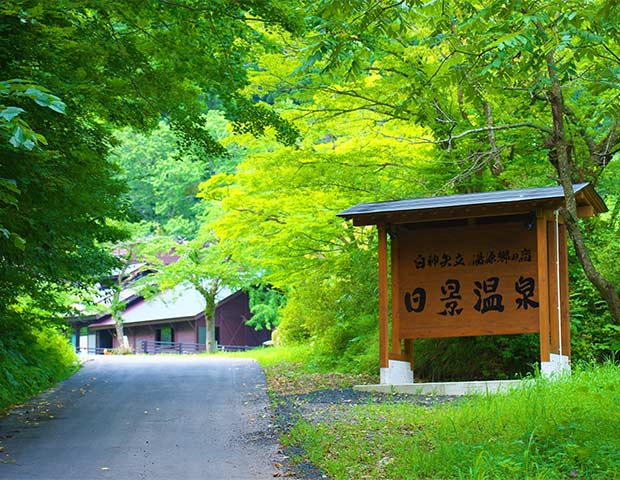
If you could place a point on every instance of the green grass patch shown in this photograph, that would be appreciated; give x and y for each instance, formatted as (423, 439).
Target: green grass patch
(568, 428)
(298, 356)
(32, 361)
(293, 369)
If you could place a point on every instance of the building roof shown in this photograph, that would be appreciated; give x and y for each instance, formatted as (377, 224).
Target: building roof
(469, 205)
(180, 302)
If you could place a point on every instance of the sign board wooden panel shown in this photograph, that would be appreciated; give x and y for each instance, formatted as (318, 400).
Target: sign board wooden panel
(466, 280)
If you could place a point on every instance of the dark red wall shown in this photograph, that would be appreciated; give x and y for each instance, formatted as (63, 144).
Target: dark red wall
(230, 317)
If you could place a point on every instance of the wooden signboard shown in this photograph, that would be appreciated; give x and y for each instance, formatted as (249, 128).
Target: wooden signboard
(466, 280)
(489, 263)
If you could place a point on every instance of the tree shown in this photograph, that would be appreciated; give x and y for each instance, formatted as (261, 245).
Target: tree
(54, 217)
(132, 64)
(265, 304)
(202, 264)
(501, 87)
(277, 215)
(137, 259)
(163, 179)
(15, 131)
(120, 280)
(111, 64)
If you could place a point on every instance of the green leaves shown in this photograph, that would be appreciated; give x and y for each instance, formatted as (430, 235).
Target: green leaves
(9, 113)
(45, 99)
(17, 88)
(21, 135)
(19, 139)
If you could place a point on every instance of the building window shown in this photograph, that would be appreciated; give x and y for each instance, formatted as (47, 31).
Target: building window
(164, 334)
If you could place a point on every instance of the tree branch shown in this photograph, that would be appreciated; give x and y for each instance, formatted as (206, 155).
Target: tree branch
(494, 159)
(508, 126)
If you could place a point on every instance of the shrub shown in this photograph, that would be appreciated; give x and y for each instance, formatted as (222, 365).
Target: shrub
(32, 360)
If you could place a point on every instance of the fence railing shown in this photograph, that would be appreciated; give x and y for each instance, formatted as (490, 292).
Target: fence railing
(92, 350)
(153, 347)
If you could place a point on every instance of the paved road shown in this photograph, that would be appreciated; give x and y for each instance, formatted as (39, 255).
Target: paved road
(140, 417)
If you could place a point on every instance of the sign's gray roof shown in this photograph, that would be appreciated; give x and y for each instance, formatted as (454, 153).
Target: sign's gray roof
(460, 200)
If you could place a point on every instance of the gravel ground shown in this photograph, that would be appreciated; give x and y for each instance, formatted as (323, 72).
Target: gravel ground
(325, 406)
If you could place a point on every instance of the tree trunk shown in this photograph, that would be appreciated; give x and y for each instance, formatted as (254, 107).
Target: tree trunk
(211, 346)
(123, 346)
(209, 296)
(569, 213)
(117, 308)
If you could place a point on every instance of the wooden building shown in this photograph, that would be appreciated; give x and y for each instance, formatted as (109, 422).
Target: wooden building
(473, 264)
(172, 320)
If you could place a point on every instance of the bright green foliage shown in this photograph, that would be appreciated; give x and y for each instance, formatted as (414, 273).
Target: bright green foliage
(278, 221)
(594, 334)
(163, 180)
(265, 304)
(511, 91)
(31, 360)
(566, 428)
(478, 77)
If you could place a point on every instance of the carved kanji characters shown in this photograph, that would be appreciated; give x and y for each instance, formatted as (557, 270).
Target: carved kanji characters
(488, 298)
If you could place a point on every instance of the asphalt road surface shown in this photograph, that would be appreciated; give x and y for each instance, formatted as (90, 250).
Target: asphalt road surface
(146, 417)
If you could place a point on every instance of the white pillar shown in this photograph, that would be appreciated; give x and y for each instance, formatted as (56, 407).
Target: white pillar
(398, 372)
(558, 365)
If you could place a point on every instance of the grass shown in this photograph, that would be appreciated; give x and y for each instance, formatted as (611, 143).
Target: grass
(293, 370)
(297, 355)
(568, 428)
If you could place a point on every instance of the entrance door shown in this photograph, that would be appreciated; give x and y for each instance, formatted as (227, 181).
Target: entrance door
(202, 335)
(104, 339)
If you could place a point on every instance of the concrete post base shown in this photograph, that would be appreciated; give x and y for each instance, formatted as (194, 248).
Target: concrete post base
(558, 365)
(397, 373)
(445, 388)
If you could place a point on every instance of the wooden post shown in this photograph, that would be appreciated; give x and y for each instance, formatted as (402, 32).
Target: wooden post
(543, 285)
(383, 297)
(552, 258)
(564, 293)
(396, 344)
(409, 350)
